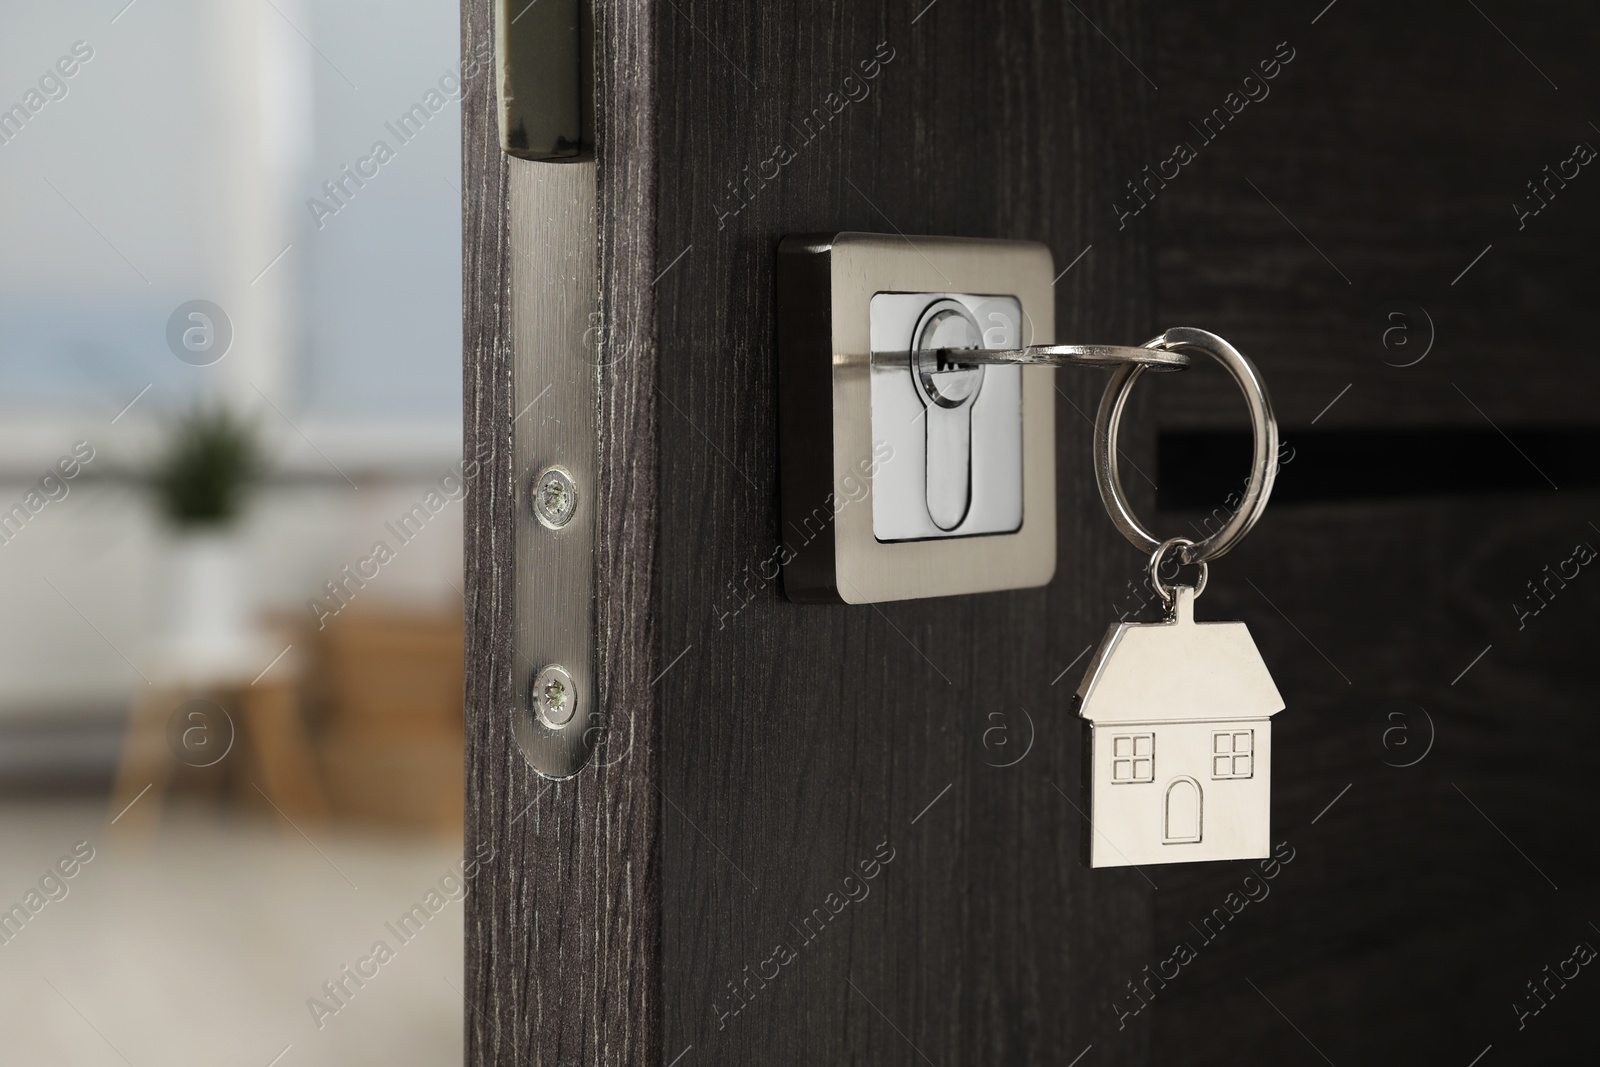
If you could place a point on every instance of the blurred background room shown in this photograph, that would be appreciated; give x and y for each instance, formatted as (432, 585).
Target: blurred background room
(231, 490)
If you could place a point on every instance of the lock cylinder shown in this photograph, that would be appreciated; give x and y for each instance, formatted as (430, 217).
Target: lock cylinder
(948, 391)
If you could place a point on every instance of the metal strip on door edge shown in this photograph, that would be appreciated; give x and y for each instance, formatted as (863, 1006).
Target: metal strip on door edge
(554, 389)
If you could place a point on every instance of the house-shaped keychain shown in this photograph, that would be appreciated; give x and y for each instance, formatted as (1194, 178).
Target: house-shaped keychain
(1178, 752)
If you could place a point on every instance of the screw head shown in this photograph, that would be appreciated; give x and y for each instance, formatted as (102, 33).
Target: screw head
(554, 696)
(555, 496)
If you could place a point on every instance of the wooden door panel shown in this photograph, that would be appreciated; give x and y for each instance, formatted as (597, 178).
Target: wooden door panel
(563, 922)
(1416, 509)
(1386, 157)
(765, 755)
(799, 740)
(1436, 873)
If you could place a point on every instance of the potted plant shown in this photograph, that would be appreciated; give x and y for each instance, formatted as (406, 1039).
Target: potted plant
(201, 479)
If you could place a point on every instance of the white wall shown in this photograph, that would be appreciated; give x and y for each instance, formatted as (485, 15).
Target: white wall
(103, 550)
(177, 165)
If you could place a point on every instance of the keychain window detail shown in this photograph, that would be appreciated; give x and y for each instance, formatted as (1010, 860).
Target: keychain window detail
(1233, 755)
(1133, 758)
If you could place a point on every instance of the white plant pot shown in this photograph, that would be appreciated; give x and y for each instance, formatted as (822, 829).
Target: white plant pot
(205, 608)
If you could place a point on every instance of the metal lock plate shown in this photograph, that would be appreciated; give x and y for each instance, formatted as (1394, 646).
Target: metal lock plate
(903, 478)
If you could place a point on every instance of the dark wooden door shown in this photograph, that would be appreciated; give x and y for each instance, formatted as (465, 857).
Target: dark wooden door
(777, 751)
(768, 755)
(1389, 585)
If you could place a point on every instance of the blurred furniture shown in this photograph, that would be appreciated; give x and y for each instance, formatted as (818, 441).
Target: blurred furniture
(243, 718)
(390, 735)
(360, 720)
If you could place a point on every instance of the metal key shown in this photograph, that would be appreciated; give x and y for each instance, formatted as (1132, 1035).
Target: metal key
(947, 361)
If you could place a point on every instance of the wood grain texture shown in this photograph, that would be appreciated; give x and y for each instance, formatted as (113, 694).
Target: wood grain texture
(493, 923)
(1387, 157)
(563, 924)
(621, 890)
(1424, 899)
(799, 740)
(1420, 903)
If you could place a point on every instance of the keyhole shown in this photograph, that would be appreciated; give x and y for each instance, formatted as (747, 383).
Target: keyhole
(949, 391)
(945, 384)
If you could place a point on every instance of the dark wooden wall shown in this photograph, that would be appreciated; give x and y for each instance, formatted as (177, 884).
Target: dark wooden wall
(796, 739)
(1421, 903)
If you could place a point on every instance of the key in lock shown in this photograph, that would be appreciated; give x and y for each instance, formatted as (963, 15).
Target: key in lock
(954, 431)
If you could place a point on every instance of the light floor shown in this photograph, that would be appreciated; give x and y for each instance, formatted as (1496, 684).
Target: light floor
(202, 944)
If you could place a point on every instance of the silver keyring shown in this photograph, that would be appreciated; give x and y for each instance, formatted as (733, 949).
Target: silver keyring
(1263, 466)
(1155, 568)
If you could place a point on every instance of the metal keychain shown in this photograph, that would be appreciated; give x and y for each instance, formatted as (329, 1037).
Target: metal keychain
(1178, 714)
